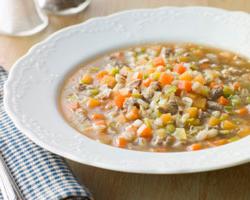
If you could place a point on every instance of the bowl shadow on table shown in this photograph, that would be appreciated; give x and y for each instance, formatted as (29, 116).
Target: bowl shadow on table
(231, 183)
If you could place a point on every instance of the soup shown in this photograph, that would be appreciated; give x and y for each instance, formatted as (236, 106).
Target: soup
(161, 98)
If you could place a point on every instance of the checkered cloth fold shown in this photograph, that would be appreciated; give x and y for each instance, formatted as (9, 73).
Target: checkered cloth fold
(38, 173)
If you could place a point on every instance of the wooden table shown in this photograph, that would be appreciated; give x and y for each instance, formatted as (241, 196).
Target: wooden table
(228, 184)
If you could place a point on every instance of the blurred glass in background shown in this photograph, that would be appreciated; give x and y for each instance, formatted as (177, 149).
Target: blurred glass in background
(21, 17)
(63, 7)
(27, 17)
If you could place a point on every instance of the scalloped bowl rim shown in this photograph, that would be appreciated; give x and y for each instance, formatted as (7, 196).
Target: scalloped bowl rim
(119, 167)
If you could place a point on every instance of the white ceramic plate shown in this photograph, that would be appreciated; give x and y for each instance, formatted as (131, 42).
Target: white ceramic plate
(31, 91)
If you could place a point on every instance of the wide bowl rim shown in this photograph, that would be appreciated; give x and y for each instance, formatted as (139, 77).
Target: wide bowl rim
(28, 133)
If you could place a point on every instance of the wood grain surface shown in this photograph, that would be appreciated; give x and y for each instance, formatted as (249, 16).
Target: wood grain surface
(229, 184)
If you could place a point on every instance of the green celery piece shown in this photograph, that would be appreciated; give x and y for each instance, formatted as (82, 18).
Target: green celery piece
(227, 91)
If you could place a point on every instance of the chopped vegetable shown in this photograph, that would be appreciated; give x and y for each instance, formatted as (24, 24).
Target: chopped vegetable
(86, 79)
(144, 131)
(244, 132)
(114, 71)
(213, 121)
(97, 116)
(223, 101)
(122, 142)
(236, 86)
(155, 76)
(193, 112)
(228, 125)
(185, 85)
(170, 128)
(101, 74)
(133, 114)
(180, 134)
(194, 147)
(186, 76)
(248, 100)
(166, 118)
(227, 91)
(147, 82)
(137, 75)
(200, 79)
(109, 81)
(161, 98)
(220, 142)
(165, 79)
(158, 61)
(92, 103)
(200, 102)
(242, 111)
(147, 122)
(119, 99)
(180, 69)
(161, 133)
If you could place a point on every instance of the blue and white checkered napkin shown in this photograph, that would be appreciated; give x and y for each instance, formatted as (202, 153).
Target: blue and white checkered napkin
(38, 173)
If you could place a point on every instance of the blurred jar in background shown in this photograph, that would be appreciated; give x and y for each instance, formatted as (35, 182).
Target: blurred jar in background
(63, 7)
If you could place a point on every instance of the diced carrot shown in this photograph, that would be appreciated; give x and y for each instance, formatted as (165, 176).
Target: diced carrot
(109, 81)
(92, 103)
(147, 82)
(165, 79)
(101, 74)
(121, 142)
(133, 114)
(228, 125)
(86, 79)
(97, 116)
(193, 112)
(119, 99)
(194, 147)
(144, 131)
(166, 118)
(200, 79)
(185, 85)
(137, 75)
(242, 111)
(179, 68)
(236, 85)
(186, 76)
(244, 132)
(220, 142)
(158, 61)
(74, 105)
(223, 101)
(100, 122)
